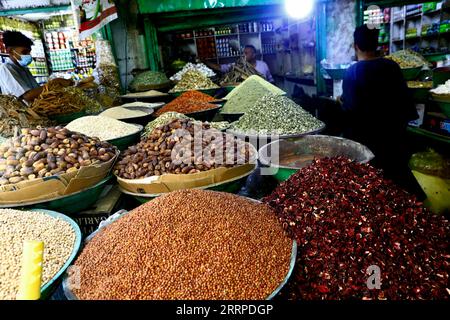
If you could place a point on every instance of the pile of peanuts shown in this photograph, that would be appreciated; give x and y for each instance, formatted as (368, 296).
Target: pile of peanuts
(16, 227)
(189, 244)
(46, 152)
(182, 147)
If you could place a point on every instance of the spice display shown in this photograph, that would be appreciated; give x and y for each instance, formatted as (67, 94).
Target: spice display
(16, 227)
(123, 113)
(273, 114)
(15, 115)
(47, 152)
(408, 59)
(246, 94)
(420, 84)
(239, 72)
(148, 80)
(200, 67)
(173, 148)
(106, 73)
(190, 244)
(162, 120)
(432, 163)
(104, 128)
(193, 80)
(63, 100)
(169, 116)
(188, 102)
(145, 94)
(348, 219)
(442, 89)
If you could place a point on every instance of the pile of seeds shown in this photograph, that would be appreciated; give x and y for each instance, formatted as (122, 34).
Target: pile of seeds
(123, 113)
(168, 117)
(18, 226)
(162, 120)
(200, 67)
(14, 116)
(247, 94)
(148, 80)
(347, 218)
(104, 128)
(274, 114)
(47, 152)
(189, 102)
(182, 147)
(190, 244)
(194, 80)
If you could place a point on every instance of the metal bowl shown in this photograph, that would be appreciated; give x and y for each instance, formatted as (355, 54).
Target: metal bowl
(285, 157)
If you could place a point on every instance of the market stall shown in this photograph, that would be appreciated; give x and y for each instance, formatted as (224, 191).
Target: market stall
(197, 184)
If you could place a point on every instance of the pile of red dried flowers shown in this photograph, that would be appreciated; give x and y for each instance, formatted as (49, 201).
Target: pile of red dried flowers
(347, 218)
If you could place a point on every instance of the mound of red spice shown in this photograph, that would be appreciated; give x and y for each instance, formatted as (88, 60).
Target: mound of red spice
(188, 102)
(346, 218)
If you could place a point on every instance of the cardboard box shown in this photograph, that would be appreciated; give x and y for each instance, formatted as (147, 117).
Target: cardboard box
(170, 182)
(44, 189)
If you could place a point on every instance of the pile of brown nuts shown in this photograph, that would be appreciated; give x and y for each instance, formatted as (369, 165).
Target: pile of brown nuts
(182, 147)
(360, 236)
(190, 244)
(45, 152)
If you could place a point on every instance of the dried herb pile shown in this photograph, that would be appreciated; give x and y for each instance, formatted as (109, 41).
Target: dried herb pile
(188, 102)
(194, 80)
(248, 93)
(15, 115)
(148, 80)
(274, 114)
(346, 218)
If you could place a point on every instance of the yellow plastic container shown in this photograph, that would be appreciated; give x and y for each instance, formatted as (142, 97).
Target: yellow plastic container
(30, 281)
(437, 190)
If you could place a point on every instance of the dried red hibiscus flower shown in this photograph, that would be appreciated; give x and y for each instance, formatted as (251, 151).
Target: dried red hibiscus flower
(346, 218)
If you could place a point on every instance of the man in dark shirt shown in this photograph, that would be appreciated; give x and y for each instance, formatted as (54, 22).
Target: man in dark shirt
(377, 105)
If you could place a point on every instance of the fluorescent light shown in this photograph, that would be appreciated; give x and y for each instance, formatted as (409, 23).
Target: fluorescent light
(299, 9)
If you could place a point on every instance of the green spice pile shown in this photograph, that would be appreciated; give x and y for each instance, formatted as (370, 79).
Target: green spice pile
(247, 94)
(194, 80)
(274, 114)
(148, 80)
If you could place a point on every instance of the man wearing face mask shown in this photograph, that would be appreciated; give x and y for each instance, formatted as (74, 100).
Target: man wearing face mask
(15, 78)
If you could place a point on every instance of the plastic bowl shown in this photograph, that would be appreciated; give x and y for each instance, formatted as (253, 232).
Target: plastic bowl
(67, 118)
(443, 101)
(204, 115)
(210, 92)
(72, 203)
(71, 296)
(260, 140)
(411, 73)
(142, 120)
(285, 157)
(50, 286)
(232, 117)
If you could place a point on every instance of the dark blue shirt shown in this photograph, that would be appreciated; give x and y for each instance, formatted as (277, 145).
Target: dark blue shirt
(377, 102)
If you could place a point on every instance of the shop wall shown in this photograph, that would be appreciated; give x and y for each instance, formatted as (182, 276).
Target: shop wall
(128, 41)
(341, 22)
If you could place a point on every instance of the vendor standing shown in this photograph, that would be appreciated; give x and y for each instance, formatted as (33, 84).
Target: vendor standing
(15, 78)
(377, 106)
(250, 57)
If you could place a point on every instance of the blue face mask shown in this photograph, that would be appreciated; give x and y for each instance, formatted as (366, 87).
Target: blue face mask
(25, 59)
